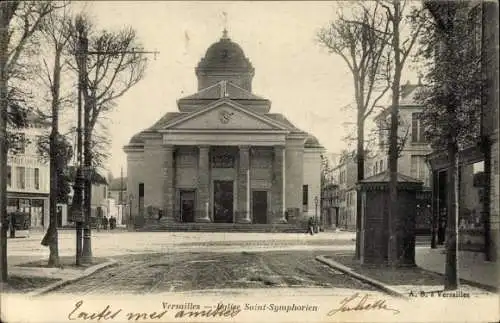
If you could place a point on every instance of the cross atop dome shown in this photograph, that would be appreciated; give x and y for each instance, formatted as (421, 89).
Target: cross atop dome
(224, 32)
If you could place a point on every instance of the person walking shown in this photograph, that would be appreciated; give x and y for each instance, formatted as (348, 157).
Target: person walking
(310, 225)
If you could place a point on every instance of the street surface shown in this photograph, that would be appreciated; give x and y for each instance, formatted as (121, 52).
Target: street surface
(111, 244)
(165, 262)
(158, 273)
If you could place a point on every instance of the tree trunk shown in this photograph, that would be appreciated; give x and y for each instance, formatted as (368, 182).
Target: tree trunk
(451, 274)
(488, 255)
(434, 215)
(361, 175)
(392, 218)
(87, 162)
(51, 237)
(4, 28)
(52, 233)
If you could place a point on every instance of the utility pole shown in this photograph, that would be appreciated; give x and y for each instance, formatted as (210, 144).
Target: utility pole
(77, 209)
(88, 107)
(121, 186)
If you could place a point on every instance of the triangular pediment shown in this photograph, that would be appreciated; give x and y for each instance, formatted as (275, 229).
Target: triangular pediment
(224, 115)
(221, 90)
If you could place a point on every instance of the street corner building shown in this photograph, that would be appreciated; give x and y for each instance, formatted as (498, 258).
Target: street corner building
(223, 159)
(28, 175)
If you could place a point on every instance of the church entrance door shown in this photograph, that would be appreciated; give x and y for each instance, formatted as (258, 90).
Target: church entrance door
(223, 201)
(259, 206)
(187, 206)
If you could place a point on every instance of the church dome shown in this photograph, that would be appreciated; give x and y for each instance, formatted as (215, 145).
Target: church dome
(225, 55)
(312, 142)
(225, 61)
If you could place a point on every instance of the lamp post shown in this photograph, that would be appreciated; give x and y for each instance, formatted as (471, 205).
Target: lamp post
(316, 214)
(77, 203)
(83, 52)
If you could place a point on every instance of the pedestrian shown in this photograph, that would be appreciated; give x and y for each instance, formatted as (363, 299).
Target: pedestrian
(310, 225)
(105, 223)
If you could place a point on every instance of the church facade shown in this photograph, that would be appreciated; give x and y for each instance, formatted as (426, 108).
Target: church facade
(224, 157)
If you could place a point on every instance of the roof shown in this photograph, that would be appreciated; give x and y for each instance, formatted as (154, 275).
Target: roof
(408, 97)
(381, 181)
(384, 177)
(312, 142)
(223, 89)
(283, 120)
(169, 116)
(225, 54)
(118, 183)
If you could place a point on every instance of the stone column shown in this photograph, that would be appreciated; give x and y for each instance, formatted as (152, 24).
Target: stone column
(203, 199)
(168, 184)
(244, 186)
(278, 186)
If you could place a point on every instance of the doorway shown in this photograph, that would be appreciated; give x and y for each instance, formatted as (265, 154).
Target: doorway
(223, 201)
(187, 206)
(259, 207)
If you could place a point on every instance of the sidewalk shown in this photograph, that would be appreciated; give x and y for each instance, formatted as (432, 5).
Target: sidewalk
(402, 282)
(34, 278)
(472, 266)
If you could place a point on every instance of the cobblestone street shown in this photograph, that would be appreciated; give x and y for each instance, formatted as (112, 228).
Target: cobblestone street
(163, 262)
(111, 244)
(157, 273)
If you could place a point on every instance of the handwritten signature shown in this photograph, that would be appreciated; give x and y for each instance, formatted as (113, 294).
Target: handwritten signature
(357, 302)
(107, 313)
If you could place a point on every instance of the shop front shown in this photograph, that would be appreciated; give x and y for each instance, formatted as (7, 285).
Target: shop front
(471, 185)
(35, 207)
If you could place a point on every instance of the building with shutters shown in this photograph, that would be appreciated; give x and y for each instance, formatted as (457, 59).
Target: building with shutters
(223, 157)
(412, 161)
(28, 175)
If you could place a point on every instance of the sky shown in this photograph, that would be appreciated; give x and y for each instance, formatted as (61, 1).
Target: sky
(302, 80)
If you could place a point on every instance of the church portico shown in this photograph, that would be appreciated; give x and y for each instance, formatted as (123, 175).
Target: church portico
(211, 183)
(223, 158)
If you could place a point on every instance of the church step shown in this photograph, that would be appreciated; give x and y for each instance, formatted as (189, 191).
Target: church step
(222, 227)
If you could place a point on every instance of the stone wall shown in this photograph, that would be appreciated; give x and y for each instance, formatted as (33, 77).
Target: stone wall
(154, 159)
(312, 178)
(294, 165)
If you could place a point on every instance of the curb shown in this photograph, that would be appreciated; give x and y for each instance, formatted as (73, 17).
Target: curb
(346, 270)
(488, 288)
(87, 272)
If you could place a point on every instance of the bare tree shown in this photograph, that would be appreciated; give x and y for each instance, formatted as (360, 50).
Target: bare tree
(110, 67)
(56, 35)
(357, 39)
(401, 48)
(19, 21)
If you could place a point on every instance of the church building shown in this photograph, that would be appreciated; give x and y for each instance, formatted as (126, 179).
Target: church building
(223, 157)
